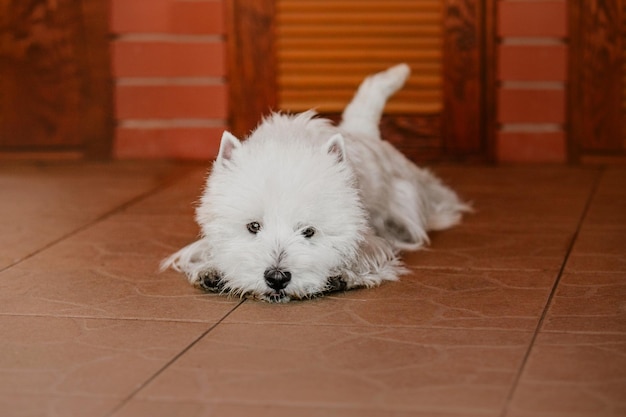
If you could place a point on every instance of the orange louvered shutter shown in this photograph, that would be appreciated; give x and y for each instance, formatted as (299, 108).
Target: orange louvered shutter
(326, 47)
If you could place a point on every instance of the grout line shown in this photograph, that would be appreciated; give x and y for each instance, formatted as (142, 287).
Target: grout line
(544, 314)
(170, 123)
(169, 81)
(173, 360)
(531, 127)
(170, 37)
(117, 209)
(532, 85)
(532, 40)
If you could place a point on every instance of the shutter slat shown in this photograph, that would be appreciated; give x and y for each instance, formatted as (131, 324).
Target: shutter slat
(333, 6)
(376, 55)
(337, 81)
(326, 47)
(373, 30)
(331, 68)
(361, 18)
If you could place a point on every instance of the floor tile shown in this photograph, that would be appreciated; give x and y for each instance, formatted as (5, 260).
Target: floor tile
(574, 375)
(397, 369)
(88, 320)
(608, 208)
(48, 200)
(111, 270)
(507, 199)
(180, 198)
(93, 361)
(174, 408)
(428, 298)
(601, 243)
(518, 179)
(589, 302)
(43, 405)
(481, 248)
(599, 250)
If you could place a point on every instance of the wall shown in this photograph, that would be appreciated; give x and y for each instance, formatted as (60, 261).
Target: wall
(171, 94)
(532, 70)
(168, 62)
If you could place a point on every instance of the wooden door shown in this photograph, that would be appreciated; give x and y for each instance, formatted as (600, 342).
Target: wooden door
(55, 92)
(597, 87)
(446, 114)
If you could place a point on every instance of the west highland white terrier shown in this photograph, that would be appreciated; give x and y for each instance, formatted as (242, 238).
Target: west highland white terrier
(303, 207)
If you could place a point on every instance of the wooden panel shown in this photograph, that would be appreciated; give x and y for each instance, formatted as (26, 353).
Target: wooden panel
(95, 60)
(596, 78)
(463, 83)
(325, 48)
(251, 65)
(54, 83)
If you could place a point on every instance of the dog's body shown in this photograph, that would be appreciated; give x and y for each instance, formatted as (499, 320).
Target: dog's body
(303, 207)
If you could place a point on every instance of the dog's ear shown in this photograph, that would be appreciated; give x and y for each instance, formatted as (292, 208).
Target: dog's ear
(228, 144)
(336, 146)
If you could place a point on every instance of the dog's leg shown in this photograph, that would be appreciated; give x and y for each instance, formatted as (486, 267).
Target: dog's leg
(375, 262)
(195, 261)
(364, 111)
(444, 207)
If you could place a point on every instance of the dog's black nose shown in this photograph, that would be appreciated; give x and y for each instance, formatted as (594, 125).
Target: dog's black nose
(277, 279)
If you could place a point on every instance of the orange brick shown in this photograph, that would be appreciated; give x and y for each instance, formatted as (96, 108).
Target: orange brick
(171, 102)
(167, 59)
(129, 16)
(532, 18)
(531, 106)
(532, 62)
(531, 147)
(167, 16)
(171, 143)
(198, 17)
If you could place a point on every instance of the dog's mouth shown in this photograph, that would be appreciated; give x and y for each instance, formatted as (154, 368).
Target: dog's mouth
(213, 282)
(333, 284)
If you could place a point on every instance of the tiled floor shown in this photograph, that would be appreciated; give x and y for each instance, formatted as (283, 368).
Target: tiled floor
(520, 311)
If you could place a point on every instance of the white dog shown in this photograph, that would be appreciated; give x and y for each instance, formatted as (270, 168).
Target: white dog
(303, 207)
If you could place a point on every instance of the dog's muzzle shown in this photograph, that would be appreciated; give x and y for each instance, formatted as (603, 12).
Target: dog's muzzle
(277, 279)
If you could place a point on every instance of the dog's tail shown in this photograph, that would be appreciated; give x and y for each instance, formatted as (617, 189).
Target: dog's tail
(364, 111)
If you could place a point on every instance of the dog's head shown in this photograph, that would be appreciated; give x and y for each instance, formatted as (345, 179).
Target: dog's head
(281, 210)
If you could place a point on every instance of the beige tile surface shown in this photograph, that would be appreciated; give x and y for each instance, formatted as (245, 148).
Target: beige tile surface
(590, 302)
(573, 375)
(478, 328)
(186, 408)
(101, 360)
(397, 369)
(43, 202)
(427, 298)
(111, 270)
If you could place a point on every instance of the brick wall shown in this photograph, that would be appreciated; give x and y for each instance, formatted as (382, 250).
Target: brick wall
(168, 59)
(171, 94)
(532, 69)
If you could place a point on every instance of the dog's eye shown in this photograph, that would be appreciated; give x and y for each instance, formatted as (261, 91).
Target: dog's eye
(308, 232)
(253, 227)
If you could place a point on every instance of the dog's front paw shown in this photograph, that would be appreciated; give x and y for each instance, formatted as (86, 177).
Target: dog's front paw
(336, 283)
(210, 281)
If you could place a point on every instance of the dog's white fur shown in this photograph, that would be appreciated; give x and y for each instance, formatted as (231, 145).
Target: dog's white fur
(303, 207)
